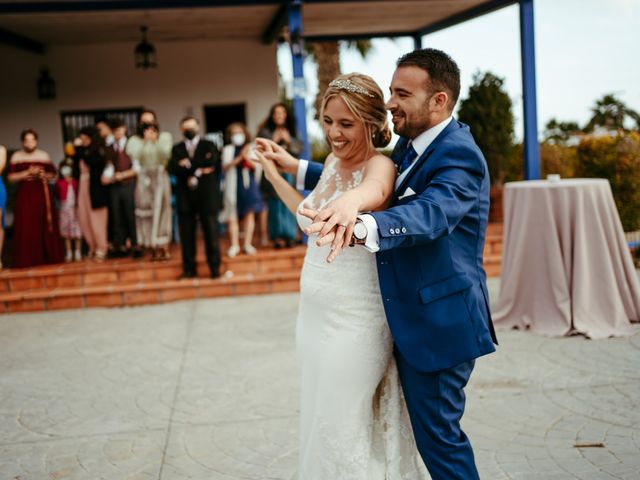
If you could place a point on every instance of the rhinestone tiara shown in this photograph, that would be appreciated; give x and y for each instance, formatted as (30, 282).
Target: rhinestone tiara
(349, 86)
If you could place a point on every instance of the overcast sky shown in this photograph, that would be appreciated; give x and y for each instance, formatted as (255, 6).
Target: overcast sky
(584, 49)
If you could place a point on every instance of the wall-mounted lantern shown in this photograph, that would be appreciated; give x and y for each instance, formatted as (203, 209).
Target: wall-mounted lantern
(46, 85)
(145, 52)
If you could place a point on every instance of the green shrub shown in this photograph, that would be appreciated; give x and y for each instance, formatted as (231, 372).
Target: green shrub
(618, 160)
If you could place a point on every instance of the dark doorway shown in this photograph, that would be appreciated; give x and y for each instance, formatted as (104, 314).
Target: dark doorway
(218, 117)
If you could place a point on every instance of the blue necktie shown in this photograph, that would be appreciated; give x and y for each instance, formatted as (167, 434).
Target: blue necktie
(408, 157)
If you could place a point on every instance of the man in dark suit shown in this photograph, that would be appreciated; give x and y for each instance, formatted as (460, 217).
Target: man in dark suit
(196, 164)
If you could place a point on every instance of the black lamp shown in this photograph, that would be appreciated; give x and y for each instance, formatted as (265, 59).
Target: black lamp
(46, 85)
(145, 52)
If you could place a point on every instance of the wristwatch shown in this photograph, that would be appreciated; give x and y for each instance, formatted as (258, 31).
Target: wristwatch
(360, 233)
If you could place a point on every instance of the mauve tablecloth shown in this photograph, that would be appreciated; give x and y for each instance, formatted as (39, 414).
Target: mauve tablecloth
(566, 266)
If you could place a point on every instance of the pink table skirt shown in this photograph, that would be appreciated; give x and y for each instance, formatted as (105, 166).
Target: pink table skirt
(566, 266)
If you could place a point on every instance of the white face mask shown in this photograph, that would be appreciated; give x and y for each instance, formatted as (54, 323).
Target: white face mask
(66, 171)
(238, 139)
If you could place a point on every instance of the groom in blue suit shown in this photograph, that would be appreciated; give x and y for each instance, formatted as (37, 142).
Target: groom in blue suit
(429, 245)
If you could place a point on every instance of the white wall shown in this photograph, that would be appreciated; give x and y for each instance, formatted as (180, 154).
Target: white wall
(189, 75)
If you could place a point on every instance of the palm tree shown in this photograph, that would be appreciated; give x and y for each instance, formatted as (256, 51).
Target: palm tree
(611, 113)
(326, 55)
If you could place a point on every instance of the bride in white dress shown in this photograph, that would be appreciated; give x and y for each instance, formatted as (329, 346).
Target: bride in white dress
(353, 419)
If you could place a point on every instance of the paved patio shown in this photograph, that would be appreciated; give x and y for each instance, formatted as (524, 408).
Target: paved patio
(207, 389)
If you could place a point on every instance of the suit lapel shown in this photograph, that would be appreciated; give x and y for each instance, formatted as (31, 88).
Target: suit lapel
(453, 125)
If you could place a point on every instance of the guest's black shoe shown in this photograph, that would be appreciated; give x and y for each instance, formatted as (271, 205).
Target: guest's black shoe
(137, 253)
(186, 276)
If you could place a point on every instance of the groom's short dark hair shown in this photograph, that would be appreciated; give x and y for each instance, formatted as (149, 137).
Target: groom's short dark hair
(444, 73)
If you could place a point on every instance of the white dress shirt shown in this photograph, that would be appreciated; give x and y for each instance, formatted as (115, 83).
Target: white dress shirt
(192, 144)
(420, 145)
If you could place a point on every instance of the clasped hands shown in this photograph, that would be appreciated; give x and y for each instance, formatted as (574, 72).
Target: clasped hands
(334, 223)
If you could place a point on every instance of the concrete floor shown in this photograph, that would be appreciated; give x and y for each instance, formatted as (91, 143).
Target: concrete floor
(207, 389)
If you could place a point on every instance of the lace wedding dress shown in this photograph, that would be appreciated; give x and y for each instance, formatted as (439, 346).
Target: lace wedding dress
(353, 419)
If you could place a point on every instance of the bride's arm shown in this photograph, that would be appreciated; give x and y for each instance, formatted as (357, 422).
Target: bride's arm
(373, 193)
(289, 195)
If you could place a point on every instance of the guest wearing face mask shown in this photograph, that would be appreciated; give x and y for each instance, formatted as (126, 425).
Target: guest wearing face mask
(150, 151)
(67, 193)
(195, 162)
(242, 197)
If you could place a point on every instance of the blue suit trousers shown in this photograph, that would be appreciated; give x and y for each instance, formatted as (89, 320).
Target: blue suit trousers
(435, 401)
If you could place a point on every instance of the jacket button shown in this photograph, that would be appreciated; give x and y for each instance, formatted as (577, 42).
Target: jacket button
(404, 230)
(391, 231)
(397, 231)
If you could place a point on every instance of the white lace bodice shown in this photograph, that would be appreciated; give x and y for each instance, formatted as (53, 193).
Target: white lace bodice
(356, 263)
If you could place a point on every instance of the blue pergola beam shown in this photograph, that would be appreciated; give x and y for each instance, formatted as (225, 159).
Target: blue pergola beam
(527, 46)
(296, 41)
(465, 15)
(40, 6)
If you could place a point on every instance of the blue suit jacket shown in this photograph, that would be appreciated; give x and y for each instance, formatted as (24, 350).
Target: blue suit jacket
(430, 269)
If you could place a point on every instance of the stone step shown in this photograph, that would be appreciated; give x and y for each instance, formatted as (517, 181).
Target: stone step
(128, 282)
(88, 273)
(121, 295)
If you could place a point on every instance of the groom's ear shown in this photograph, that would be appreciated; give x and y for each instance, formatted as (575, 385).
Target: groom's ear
(440, 101)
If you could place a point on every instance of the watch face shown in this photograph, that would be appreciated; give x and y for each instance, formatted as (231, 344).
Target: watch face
(360, 231)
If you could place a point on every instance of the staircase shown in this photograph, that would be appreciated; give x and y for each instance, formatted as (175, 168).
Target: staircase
(118, 283)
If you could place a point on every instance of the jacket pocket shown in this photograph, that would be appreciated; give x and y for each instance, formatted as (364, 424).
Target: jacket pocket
(448, 286)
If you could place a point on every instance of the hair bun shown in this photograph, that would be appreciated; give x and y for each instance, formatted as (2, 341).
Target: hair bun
(382, 137)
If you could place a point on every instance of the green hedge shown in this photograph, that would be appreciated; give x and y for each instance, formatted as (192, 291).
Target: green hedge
(618, 160)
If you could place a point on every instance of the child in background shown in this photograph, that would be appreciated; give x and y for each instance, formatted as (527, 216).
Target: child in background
(67, 192)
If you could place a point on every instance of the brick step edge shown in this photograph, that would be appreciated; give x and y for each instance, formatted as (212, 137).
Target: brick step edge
(149, 292)
(86, 266)
(169, 277)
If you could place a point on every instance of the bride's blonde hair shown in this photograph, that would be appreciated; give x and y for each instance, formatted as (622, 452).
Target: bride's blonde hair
(365, 100)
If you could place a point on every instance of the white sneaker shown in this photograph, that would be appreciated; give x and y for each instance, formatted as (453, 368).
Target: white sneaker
(250, 250)
(233, 251)
(68, 257)
(77, 256)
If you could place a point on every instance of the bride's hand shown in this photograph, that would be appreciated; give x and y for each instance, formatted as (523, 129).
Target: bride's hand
(339, 216)
(274, 152)
(268, 166)
(338, 235)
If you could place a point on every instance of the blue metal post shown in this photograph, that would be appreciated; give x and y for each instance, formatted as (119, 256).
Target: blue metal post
(299, 84)
(531, 146)
(417, 42)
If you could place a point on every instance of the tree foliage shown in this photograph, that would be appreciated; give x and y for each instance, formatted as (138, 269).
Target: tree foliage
(556, 132)
(616, 158)
(326, 56)
(488, 112)
(611, 113)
